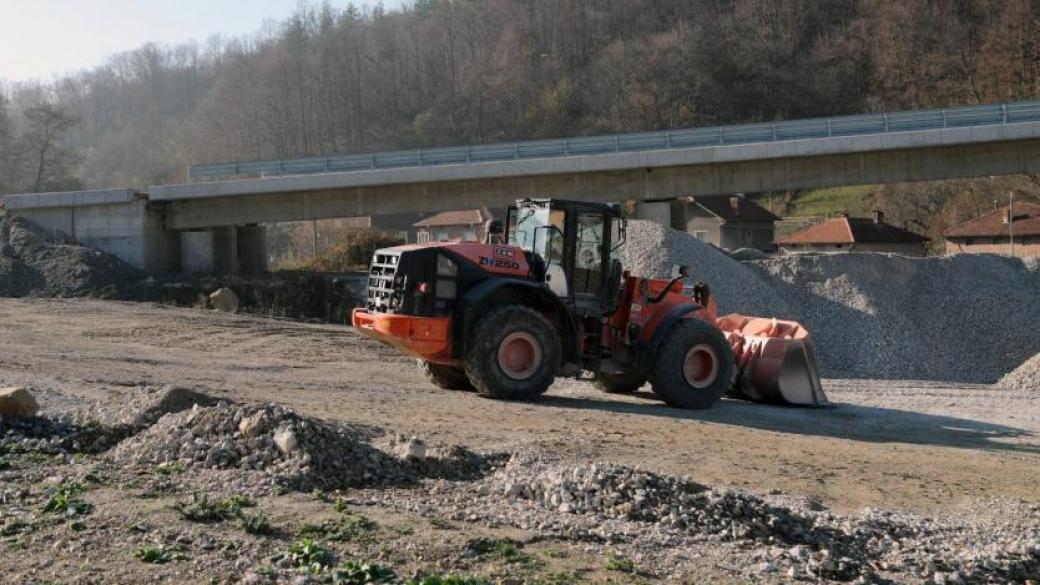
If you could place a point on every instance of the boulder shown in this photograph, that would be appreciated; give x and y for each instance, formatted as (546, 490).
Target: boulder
(285, 440)
(16, 401)
(253, 426)
(224, 299)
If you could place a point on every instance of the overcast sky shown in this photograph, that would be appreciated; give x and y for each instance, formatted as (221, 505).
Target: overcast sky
(41, 39)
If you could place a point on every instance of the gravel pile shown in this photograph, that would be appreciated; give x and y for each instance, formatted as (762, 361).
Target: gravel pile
(605, 500)
(33, 263)
(962, 318)
(652, 251)
(297, 452)
(1024, 377)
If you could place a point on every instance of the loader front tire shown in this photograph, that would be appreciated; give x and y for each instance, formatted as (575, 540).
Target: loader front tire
(445, 377)
(693, 366)
(619, 383)
(513, 354)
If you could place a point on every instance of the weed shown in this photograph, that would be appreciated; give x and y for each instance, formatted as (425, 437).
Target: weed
(77, 526)
(348, 527)
(504, 550)
(557, 578)
(155, 555)
(174, 468)
(64, 500)
(351, 573)
(14, 527)
(439, 523)
(202, 509)
(614, 562)
(555, 553)
(305, 553)
(254, 523)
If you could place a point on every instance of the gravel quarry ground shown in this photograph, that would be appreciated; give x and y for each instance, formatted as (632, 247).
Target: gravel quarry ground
(157, 457)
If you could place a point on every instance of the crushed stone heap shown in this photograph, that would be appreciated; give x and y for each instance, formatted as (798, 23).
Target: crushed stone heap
(963, 318)
(301, 453)
(1024, 377)
(36, 264)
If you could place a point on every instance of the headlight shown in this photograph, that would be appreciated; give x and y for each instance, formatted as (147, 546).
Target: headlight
(446, 267)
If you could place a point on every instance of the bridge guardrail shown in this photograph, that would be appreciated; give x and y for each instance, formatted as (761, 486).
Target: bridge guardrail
(858, 125)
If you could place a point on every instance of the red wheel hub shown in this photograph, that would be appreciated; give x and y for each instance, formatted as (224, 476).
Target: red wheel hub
(519, 355)
(700, 366)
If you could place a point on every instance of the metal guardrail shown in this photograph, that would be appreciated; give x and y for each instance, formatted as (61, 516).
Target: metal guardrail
(988, 115)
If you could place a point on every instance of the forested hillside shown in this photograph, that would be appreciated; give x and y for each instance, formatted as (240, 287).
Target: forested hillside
(441, 72)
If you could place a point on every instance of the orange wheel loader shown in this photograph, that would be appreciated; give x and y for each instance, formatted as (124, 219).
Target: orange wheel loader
(545, 296)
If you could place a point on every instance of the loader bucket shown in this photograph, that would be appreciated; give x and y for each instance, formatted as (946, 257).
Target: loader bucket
(775, 359)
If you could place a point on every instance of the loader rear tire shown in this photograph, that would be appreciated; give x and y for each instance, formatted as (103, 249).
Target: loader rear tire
(693, 366)
(514, 354)
(445, 377)
(619, 383)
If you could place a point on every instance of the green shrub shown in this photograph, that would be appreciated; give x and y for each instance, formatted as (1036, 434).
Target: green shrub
(352, 251)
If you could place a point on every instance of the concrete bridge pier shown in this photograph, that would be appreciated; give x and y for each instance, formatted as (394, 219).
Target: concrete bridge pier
(252, 248)
(224, 250)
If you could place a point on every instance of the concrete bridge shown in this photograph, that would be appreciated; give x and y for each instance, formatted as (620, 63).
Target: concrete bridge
(205, 226)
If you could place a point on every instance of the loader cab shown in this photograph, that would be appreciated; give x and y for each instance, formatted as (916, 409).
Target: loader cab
(574, 241)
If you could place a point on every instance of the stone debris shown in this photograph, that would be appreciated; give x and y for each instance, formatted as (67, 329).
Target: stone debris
(297, 452)
(1024, 377)
(615, 503)
(871, 315)
(17, 402)
(224, 299)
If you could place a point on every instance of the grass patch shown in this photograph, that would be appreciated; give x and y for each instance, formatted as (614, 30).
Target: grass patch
(202, 509)
(305, 553)
(439, 523)
(65, 500)
(349, 527)
(15, 527)
(155, 555)
(254, 522)
(504, 550)
(615, 562)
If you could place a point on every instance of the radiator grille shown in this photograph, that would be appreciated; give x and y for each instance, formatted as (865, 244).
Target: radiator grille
(383, 290)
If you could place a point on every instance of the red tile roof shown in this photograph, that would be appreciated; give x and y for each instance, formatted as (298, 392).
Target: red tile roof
(461, 217)
(1027, 223)
(851, 230)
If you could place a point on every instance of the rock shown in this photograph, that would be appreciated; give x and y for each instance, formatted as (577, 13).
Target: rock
(285, 440)
(413, 448)
(224, 299)
(253, 426)
(17, 402)
(766, 567)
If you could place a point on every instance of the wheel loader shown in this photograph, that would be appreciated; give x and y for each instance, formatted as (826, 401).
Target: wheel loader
(546, 296)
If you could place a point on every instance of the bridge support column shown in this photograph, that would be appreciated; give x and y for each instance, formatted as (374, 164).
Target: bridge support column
(197, 251)
(225, 250)
(252, 248)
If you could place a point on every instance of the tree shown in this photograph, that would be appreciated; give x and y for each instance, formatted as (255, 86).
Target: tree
(47, 162)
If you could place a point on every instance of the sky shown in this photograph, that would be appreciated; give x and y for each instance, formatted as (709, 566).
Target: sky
(43, 39)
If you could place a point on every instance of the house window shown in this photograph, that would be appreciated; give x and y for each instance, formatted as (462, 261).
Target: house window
(701, 235)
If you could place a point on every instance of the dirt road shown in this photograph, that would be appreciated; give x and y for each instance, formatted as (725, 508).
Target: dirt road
(914, 446)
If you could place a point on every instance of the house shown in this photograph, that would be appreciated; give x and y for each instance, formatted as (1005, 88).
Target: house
(729, 222)
(854, 234)
(466, 225)
(992, 233)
